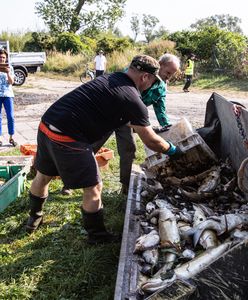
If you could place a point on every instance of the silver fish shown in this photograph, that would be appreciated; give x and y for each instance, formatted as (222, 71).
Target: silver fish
(189, 269)
(239, 234)
(210, 183)
(151, 256)
(168, 230)
(150, 206)
(208, 239)
(169, 238)
(147, 241)
(195, 195)
(220, 225)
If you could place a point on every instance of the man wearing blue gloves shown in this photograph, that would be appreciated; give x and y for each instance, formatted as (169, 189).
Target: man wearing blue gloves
(70, 127)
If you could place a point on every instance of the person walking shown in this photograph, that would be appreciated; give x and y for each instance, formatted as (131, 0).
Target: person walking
(189, 71)
(76, 121)
(7, 95)
(100, 63)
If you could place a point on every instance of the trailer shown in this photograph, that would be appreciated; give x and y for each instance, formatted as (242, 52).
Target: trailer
(226, 277)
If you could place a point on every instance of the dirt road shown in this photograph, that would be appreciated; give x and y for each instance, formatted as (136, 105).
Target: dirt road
(37, 94)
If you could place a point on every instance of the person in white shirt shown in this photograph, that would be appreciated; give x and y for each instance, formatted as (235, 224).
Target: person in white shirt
(100, 63)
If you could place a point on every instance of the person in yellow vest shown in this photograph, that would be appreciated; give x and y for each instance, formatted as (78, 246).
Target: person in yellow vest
(189, 71)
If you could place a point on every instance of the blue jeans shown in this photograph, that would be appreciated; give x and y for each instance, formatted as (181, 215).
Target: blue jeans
(8, 103)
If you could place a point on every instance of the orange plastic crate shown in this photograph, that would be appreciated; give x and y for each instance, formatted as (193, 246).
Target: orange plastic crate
(102, 156)
(28, 149)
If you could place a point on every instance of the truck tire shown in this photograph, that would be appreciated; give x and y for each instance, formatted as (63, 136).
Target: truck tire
(20, 77)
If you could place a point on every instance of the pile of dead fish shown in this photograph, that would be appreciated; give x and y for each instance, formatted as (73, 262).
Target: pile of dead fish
(187, 223)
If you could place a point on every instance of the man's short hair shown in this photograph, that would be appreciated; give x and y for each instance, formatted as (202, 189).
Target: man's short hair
(167, 57)
(146, 63)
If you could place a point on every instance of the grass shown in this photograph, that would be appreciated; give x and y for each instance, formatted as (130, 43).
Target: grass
(55, 262)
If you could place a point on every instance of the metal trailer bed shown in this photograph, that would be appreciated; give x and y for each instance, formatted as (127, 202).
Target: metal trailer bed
(226, 277)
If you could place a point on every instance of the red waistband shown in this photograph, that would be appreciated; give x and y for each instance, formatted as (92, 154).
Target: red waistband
(54, 136)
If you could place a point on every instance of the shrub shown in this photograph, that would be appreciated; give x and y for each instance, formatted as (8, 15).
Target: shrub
(67, 41)
(157, 48)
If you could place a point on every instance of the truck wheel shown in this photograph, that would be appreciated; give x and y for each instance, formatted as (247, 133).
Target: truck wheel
(20, 77)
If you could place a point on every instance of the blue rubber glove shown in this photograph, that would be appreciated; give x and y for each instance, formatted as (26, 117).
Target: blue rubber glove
(174, 151)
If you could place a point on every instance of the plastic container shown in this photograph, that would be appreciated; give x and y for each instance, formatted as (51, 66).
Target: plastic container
(102, 156)
(13, 169)
(28, 149)
(182, 135)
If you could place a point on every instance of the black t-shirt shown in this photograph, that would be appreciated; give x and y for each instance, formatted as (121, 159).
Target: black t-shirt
(97, 107)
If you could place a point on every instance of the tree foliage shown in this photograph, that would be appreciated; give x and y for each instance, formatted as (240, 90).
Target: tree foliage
(149, 23)
(227, 22)
(79, 15)
(135, 26)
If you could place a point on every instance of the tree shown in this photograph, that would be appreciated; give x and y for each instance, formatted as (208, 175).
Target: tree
(135, 26)
(69, 15)
(149, 23)
(222, 21)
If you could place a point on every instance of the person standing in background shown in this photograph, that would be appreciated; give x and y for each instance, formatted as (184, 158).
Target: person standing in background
(100, 63)
(189, 71)
(7, 95)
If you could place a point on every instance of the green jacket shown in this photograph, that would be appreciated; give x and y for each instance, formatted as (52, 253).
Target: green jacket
(156, 96)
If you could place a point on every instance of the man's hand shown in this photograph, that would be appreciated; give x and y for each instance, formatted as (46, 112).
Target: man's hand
(174, 151)
(177, 154)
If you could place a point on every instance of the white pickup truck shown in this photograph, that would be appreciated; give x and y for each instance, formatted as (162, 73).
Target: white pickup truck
(24, 63)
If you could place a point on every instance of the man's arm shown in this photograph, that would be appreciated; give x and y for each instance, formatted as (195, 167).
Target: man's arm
(151, 139)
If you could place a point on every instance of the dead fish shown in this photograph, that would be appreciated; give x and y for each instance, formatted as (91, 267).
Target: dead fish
(187, 270)
(168, 230)
(208, 212)
(185, 215)
(153, 187)
(188, 254)
(161, 203)
(147, 241)
(220, 225)
(150, 256)
(210, 183)
(183, 228)
(200, 262)
(208, 239)
(154, 284)
(239, 234)
(195, 195)
(150, 206)
(188, 179)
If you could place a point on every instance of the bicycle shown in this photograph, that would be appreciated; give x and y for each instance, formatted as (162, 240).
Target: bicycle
(87, 75)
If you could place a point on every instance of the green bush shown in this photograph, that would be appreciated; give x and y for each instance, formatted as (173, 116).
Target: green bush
(67, 41)
(40, 41)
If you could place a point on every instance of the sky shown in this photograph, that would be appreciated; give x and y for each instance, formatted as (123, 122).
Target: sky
(19, 15)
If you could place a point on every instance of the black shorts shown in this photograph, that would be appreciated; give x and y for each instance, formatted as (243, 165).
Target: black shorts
(74, 162)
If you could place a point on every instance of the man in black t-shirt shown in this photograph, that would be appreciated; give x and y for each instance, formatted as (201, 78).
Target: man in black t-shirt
(76, 121)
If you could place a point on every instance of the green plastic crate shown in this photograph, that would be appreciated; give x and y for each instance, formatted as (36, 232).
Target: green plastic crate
(15, 176)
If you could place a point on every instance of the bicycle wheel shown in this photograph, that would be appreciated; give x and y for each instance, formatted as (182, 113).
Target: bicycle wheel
(83, 78)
